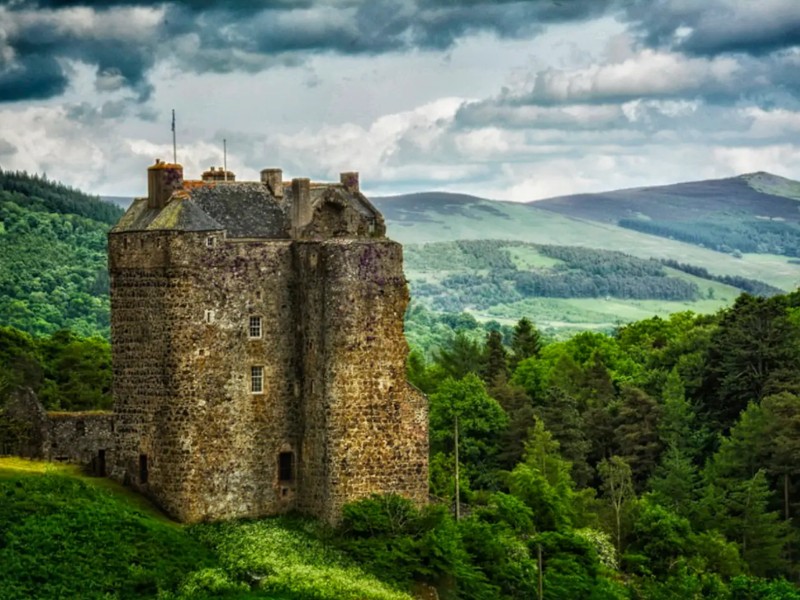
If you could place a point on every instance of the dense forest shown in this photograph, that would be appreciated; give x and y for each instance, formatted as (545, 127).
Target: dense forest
(53, 271)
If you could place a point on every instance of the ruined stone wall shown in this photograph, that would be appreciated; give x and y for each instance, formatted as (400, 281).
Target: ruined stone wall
(365, 427)
(212, 446)
(85, 438)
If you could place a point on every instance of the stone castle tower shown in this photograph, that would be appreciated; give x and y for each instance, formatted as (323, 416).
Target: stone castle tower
(258, 348)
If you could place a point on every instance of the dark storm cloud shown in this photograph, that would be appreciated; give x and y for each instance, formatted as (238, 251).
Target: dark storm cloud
(714, 27)
(221, 36)
(35, 76)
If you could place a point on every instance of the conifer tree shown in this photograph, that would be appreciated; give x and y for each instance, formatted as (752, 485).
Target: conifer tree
(526, 341)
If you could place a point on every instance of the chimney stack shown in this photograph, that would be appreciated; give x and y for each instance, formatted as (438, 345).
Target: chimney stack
(163, 179)
(273, 179)
(301, 204)
(350, 181)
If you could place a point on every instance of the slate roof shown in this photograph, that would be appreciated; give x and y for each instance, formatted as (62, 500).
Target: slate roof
(244, 209)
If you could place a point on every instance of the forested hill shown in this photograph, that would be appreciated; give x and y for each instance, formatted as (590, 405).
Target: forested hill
(39, 194)
(53, 271)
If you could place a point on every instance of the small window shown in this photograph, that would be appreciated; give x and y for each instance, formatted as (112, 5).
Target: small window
(210, 242)
(209, 316)
(256, 380)
(143, 474)
(255, 327)
(286, 467)
(80, 427)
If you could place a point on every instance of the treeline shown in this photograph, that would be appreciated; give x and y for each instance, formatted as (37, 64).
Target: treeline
(659, 462)
(36, 192)
(67, 372)
(758, 236)
(752, 286)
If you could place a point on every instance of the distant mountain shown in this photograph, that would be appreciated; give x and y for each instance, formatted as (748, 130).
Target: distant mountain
(755, 195)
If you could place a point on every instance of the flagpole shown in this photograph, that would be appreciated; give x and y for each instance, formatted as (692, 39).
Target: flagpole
(174, 145)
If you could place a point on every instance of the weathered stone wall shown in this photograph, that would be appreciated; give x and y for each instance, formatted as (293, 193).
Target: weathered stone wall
(85, 438)
(23, 425)
(365, 427)
(212, 446)
(193, 436)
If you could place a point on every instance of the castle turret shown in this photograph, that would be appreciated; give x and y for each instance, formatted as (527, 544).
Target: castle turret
(163, 179)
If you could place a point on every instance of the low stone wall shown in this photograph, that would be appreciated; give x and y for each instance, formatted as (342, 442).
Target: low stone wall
(85, 438)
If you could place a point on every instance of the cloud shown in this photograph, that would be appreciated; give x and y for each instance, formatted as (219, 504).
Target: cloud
(714, 27)
(124, 39)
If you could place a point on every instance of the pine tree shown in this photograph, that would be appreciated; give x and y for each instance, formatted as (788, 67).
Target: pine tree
(495, 359)
(636, 433)
(526, 341)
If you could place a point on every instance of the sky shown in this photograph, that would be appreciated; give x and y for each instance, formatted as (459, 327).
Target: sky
(509, 100)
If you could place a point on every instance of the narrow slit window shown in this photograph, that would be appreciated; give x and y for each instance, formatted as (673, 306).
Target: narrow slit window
(143, 471)
(286, 467)
(209, 316)
(257, 380)
(255, 327)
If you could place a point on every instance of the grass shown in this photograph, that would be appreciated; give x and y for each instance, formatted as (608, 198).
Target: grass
(67, 535)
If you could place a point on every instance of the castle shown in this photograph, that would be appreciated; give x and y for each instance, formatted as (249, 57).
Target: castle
(258, 351)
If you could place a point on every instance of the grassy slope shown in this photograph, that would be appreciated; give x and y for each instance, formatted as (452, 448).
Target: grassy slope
(63, 535)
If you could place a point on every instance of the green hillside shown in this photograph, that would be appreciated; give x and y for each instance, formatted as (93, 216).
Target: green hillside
(53, 271)
(439, 217)
(566, 288)
(63, 535)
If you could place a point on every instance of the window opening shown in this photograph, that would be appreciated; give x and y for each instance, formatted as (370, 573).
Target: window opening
(143, 472)
(255, 327)
(210, 242)
(286, 467)
(257, 380)
(209, 316)
(80, 427)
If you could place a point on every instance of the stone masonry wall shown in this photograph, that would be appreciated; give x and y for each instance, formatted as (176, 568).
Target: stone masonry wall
(212, 446)
(365, 427)
(86, 438)
(335, 403)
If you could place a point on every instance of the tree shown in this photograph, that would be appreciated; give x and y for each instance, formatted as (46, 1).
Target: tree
(526, 341)
(617, 486)
(461, 357)
(561, 416)
(480, 421)
(636, 432)
(676, 483)
(760, 532)
(495, 359)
